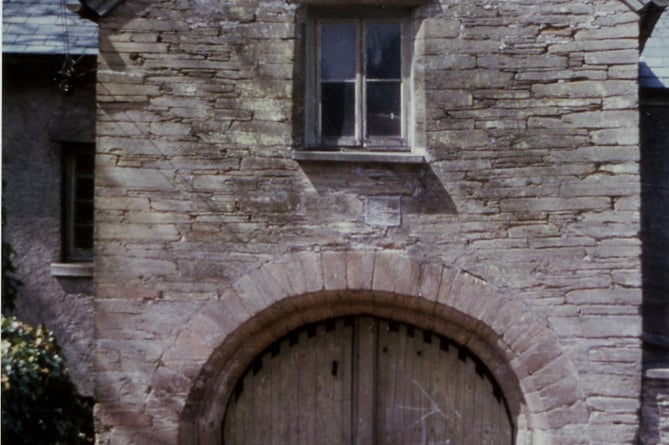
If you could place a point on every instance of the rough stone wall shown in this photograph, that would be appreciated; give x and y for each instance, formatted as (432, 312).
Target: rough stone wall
(36, 117)
(529, 114)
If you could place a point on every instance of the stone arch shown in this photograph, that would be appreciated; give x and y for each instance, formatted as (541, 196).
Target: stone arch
(538, 380)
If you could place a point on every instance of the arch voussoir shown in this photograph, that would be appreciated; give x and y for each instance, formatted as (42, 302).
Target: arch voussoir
(469, 294)
(359, 269)
(254, 299)
(334, 270)
(521, 351)
(292, 272)
(311, 267)
(430, 280)
(387, 267)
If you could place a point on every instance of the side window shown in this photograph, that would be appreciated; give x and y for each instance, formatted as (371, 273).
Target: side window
(358, 83)
(78, 191)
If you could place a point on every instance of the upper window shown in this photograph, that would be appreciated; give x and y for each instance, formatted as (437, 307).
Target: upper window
(78, 187)
(358, 93)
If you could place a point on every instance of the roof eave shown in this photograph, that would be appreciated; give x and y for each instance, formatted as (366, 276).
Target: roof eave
(649, 16)
(638, 5)
(95, 9)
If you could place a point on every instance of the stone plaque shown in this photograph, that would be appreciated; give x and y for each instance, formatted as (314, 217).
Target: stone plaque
(383, 211)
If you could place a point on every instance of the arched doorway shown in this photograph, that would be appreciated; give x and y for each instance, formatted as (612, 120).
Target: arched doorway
(366, 380)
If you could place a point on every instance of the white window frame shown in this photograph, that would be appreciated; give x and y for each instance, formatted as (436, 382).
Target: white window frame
(313, 137)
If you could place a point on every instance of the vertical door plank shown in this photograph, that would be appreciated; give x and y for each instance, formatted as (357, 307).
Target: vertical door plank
(395, 409)
(278, 387)
(364, 371)
(370, 382)
(304, 369)
(333, 384)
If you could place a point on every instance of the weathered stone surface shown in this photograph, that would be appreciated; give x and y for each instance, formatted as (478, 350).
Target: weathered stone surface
(519, 234)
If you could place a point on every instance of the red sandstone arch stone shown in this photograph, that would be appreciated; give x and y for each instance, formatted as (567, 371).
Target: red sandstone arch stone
(538, 379)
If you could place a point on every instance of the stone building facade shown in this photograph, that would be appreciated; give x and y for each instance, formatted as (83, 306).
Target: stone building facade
(510, 224)
(507, 221)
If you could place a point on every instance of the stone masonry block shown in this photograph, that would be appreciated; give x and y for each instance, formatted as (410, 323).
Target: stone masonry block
(408, 276)
(276, 275)
(134, 178)
(523, 332)
(293, 276)
(598, 326)
(230, 310)
(312, 271)
(253, 298)
(616, 136)
(334, 270)
(359, 269)
(562, 394)
(613, 57)
(469, 294)
(145, 232)
(602, 119)
(200, 339)
(542, 351)
(568, 415)
(585, 88)
(385, 272)
(430, 280)
(441, 28)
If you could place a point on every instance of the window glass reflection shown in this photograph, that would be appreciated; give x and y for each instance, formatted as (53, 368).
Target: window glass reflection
(384, 109)
(337, 109)
(383, 42)
(338, 51)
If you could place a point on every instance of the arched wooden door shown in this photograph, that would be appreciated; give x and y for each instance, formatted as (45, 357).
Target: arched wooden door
(366, 381)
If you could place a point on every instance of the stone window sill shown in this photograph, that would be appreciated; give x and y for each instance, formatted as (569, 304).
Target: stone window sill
(406, 3)
(658, 373)
(360, 156)
(81, 270)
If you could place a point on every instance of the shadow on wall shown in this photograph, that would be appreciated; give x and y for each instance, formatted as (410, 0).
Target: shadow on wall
(655, 257)
(655, 224)
(416, 188)
(648, 78)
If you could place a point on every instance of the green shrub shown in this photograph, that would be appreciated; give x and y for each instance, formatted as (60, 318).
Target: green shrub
(40, 404)
(10, 283)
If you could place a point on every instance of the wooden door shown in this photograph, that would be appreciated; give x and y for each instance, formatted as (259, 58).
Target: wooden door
(366, 381)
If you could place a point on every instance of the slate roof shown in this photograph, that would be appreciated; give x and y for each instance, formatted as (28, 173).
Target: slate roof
(654, 62)
(46, 27)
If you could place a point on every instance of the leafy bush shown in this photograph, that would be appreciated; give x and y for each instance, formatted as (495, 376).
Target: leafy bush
(40, 404)
(10, 283)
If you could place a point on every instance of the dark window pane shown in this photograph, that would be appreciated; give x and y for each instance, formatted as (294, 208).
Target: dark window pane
(83, 237)
(384, 51)
(384, 109)
(84, 189)
(83, 213)
(337, 109)
(85, 164)
(338, 51)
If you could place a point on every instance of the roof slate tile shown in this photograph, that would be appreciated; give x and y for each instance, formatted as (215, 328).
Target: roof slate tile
(46, 27)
